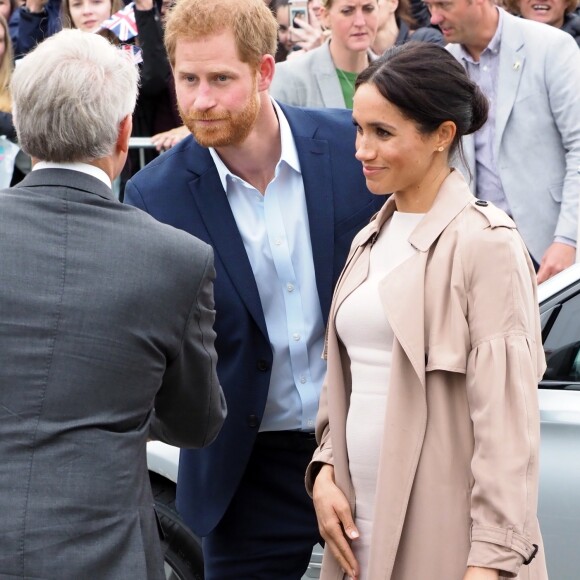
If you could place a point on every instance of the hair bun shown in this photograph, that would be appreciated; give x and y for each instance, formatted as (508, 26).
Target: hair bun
(479, 110)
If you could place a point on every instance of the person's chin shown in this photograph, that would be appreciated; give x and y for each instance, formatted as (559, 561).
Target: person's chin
(451, 35)
(376, 187)
(211, 139)
(360, 43)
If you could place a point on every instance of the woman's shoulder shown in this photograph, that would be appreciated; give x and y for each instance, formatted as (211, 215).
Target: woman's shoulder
(486, 237)
(300, 63)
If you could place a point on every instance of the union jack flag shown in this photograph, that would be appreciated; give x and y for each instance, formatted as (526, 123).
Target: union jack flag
(134, 52)
(122, 24)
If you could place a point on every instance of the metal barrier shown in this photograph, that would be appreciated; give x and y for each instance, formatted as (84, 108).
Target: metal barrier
(141, 143)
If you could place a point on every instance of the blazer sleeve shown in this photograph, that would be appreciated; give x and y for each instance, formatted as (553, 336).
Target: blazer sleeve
(503, 368)
(190, 405)
(563, 86)
(132, 196)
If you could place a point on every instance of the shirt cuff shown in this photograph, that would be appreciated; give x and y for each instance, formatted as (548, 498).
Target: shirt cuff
(564, 240)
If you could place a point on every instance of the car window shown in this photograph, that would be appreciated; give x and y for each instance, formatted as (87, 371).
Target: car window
(562, 345)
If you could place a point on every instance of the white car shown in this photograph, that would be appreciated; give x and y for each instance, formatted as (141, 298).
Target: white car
(559, 396)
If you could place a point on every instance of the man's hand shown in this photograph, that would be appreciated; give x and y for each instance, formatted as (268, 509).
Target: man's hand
(558, 257)
(308, 35)
(477, 573)
(168, 139)
(335, 519)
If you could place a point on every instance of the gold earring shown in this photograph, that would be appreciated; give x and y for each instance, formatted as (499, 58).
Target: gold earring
(440, 149)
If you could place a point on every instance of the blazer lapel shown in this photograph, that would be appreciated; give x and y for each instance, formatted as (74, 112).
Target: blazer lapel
(330, 90)
(511, 65)
(316, 171)
(325, 74)
(215, 211)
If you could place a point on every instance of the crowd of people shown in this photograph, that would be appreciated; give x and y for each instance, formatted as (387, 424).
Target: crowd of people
(341, 243)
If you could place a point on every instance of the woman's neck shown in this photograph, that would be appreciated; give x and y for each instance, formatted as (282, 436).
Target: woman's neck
(348, 60)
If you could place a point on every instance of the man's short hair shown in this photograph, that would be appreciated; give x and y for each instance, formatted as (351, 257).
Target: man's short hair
(70, 95)
(252, 22)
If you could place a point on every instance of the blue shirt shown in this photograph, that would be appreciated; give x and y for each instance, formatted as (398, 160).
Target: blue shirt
(275, 231)
(485, 73)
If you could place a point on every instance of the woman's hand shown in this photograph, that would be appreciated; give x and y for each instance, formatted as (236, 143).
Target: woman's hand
(335, 519)
(477, 573)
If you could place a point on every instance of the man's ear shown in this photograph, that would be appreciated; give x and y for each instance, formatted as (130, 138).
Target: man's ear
(125, 128)
(266, 70)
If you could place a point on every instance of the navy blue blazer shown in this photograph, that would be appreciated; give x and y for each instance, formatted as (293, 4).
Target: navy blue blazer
(182, 188)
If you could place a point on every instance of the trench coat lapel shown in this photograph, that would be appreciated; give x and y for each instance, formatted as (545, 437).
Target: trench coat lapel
(403, 290)
(403, 295)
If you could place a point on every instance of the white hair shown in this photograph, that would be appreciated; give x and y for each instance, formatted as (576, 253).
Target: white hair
(70, 95)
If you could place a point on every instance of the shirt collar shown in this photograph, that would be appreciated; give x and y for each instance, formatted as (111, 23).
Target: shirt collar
(494, 43)
(77, 166)
(289, 154)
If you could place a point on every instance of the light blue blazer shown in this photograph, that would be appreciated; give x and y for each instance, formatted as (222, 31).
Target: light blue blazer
(308, 80)
(537, 130)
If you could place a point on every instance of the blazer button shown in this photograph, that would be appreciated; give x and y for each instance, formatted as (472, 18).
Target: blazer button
(263, 365)
(481, 202)
(253, 421)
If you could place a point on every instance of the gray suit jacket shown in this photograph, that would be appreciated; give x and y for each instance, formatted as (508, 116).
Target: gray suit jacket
(537, 130)
(308, 80)
(106, 330)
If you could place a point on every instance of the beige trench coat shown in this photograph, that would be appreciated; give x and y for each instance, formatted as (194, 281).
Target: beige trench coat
(458, 472)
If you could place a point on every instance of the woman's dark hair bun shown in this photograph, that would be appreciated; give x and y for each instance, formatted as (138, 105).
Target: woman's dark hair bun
(429, 86)
(479, 108)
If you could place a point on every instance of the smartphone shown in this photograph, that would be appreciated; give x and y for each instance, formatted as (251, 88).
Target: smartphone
(298, 11)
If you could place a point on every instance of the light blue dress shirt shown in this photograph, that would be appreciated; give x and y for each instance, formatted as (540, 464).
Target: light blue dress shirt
(275, 231)
(485, 73)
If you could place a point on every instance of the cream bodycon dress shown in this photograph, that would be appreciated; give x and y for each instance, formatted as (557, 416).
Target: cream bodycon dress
(364, 330)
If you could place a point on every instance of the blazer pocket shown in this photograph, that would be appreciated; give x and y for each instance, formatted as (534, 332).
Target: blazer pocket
(446, 358)
(356, 221)
(556, 191)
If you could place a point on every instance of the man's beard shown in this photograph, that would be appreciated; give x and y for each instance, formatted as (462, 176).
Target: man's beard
(230, 128)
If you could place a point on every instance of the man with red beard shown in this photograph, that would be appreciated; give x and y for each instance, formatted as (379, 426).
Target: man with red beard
(279, 195)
